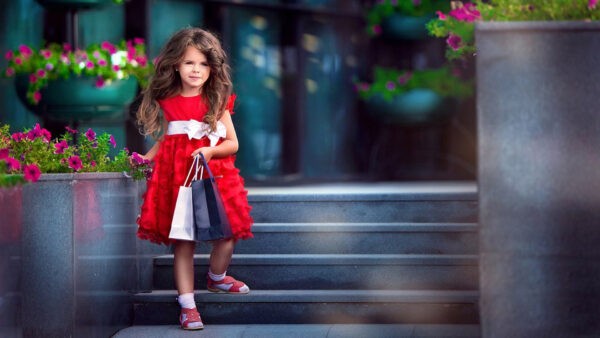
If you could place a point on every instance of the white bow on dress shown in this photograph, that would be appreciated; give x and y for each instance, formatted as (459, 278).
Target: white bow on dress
(197, 129)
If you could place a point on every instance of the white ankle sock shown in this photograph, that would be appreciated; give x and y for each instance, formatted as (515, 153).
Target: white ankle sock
(186, 300)
(216, 278)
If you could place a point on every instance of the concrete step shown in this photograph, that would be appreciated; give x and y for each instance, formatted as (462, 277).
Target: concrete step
(363, 208)
(333, 271)
(315, 307)
(322, 238)
(305, 330)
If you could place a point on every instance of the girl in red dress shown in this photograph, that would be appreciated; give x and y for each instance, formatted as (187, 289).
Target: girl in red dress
(193, 87)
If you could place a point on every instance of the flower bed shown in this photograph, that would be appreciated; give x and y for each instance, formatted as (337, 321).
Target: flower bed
(25, 155)
(457, 26)
(105, 63)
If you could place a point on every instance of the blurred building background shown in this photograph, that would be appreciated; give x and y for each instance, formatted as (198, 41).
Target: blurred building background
(298, 116)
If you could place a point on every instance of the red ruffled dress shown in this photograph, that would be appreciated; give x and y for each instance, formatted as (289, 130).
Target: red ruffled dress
(170, 168)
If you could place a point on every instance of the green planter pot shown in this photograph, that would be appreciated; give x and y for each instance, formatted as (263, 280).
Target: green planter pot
(75, 3)
(418, 106)
(401, 27)
(78, 98)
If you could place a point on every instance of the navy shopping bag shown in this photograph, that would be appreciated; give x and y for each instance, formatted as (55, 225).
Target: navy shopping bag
(210, 218)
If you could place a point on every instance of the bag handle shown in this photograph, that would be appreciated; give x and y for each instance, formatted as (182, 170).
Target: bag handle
(192, 167)
(207, 168)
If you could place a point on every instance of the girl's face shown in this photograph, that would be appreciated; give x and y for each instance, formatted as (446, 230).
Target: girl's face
(193, 70)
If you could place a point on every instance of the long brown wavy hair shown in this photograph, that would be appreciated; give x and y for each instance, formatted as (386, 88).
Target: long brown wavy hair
(166, 82)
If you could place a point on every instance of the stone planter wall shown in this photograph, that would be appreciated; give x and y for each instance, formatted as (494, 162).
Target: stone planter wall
(538, 99)
(71, 256)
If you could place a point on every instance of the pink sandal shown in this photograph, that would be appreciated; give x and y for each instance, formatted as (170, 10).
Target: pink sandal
(190, 319)
(227, 285)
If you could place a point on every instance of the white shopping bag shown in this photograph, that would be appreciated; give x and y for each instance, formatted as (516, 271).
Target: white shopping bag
(182, 226)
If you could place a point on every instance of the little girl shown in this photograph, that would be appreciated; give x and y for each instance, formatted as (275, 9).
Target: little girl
(193, 87)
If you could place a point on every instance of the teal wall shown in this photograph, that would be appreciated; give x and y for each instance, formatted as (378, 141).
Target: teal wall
(167, 17)
(329, 116)
(255, 60)
(21, 22)
(96, 26)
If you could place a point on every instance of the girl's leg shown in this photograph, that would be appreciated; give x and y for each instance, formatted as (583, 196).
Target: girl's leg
(184, 266)
(220, 256)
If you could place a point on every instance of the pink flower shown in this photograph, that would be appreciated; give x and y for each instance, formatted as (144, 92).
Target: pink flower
(46, 134)
(89, 155)
(137, 158)
(130, 53)
(41, 73)
(75, 163)
(95, 145)
(90, 134)
(46, 53)
(108, 47)
(454, 41)
(466, 13)
(116, 68)
(97, 54)
(13, 164)
(66, 47)
(37, 96)
(102, 62)
(390, 85)
(112, 141)
(32, 78)
(25, 50)
(3, 153)
(100, 83)
(89, 65)
(138, 41)
(9, 55)
(65, 59)
(49, 66)
(35, 132)
(63, 160)
(18, 137)
(592, 4)
(93, 163)
(142, 61)
(18, 61)
(377, 29)
(61, 147)
(10, 71)
(32, 172)
(441, 15)
(73, 131)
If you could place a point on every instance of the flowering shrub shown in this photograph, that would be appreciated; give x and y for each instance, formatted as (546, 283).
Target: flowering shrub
(384, 8)
(25, 155)
(390, 82)
(457, 26)
(105, 62)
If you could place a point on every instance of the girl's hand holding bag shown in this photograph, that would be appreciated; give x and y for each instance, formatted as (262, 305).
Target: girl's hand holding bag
(199, 211)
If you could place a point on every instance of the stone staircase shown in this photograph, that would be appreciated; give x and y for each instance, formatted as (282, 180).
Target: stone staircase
(399, 253)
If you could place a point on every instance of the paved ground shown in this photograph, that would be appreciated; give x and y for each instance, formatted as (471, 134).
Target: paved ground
(304, 330)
